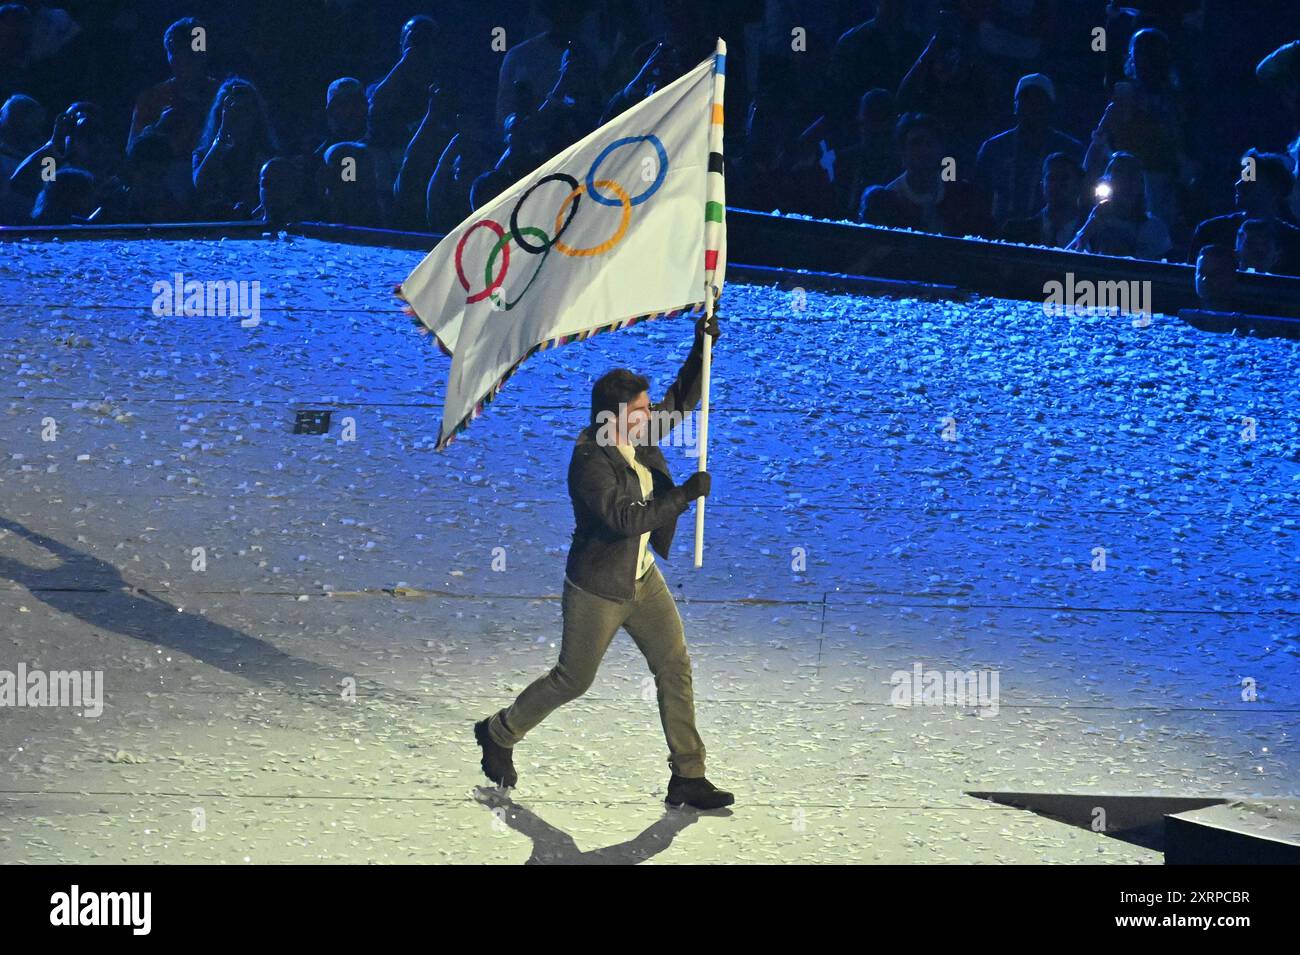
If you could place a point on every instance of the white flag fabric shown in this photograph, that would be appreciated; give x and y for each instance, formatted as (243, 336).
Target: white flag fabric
(624, 225)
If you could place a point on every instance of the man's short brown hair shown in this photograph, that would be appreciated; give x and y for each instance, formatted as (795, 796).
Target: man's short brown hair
(615, 388)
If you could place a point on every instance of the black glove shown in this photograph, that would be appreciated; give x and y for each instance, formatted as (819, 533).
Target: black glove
(711, 326)
(697, 485)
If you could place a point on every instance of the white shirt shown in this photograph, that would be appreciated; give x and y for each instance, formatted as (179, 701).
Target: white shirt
(645, 556)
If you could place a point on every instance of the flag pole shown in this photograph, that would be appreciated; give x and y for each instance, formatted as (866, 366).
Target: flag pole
(704, 424)
(715, 259)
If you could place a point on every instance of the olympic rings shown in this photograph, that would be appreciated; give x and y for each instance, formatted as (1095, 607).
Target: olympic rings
(460, 270)
(609, 243)
(650, 190)
(503, 245)
(559, 229)
(566, 213)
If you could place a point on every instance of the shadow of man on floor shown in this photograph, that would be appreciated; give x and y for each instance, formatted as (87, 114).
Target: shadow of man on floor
(552, 846)
(93, 591)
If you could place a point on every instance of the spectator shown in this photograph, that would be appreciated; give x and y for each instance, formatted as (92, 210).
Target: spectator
(179, 104)
(22, 121)
(78, 141)
(236, 142)
(67, 199)
(397, 101)
(872, 160)
(873, 55)
(869, 156)
(925, 197)
(410, 191)
(1119, 223)
(1280, 70)
(347, 116)
(771, 59)
(22, 125)
(950, 82)
(1058, 221)
(1258, 246)
(531, 139)
(353, 195)
(808, 176)
(685, 43)
(756, 174)
(826, 149)
(620, 29)
(1145, 118)
(1010, 164)
(153, 194)
(446, 198)
(1261, 193)
(530, 70)
(280, 187)
(569, 113)
(1216, 278)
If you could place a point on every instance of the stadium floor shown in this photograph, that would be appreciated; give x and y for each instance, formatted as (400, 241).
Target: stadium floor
(848, 540)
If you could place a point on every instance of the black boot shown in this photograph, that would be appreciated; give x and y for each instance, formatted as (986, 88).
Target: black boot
(498, 764)
(697, 792)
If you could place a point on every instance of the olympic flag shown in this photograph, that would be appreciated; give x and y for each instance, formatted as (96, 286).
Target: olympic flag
(625, 225)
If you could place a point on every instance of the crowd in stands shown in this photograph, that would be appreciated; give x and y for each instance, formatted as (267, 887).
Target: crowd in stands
(981, 118)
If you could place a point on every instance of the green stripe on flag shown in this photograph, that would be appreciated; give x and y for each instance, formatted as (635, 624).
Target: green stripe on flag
(713, 212)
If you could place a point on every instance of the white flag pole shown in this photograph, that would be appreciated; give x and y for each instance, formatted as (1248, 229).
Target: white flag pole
(715, 260)
(704, 424)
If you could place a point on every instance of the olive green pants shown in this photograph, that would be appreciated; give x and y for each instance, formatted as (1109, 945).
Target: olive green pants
(590, 623)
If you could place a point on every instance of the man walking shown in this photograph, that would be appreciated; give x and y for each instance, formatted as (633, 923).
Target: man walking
(625, 505)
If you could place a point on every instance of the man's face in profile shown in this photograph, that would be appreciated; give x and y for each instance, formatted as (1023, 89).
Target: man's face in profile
(638, 419)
